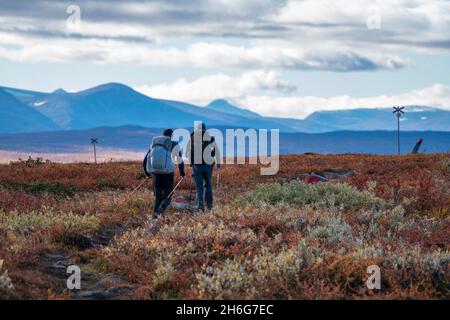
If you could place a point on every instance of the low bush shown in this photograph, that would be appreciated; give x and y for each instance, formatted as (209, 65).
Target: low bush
(25, 223)
(5, 280)
(321, 195)
(57, 189)
(268, 237)
(331, 229)
(445, 165)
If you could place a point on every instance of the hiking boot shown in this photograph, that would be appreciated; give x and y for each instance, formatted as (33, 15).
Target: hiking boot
(209, 206)
(160, 210)
(201, 208)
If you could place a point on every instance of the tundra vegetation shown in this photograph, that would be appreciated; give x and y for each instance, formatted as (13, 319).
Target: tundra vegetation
(268, 237)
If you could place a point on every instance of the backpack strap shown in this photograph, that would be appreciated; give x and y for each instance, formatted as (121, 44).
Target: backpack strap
(160, 145)
(164, 142)
(144, 164)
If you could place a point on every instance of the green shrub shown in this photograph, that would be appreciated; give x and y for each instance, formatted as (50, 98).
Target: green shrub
(226, 281)
(331, 229)
(25, 223)
(248, 277)
(163, 271)
(57, 189)
(109, 183)
(445, 165)
(414, 266)
(321, 195)
(279, 267)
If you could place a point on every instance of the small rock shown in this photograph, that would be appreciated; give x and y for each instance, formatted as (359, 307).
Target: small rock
(89, 294)
(79, 241)
(60, 265)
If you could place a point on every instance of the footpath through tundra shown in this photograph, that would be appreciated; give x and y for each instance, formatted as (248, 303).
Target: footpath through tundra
(268, 237)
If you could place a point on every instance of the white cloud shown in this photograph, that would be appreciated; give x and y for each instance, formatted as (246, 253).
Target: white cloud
(436, 95)
(316, 34)
(403, 23)
(268, 95)
(207, 88)
(203, 55)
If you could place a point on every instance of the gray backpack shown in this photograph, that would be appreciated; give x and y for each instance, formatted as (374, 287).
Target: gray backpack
(160, 159)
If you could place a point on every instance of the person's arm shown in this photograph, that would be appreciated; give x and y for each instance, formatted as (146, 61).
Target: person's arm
(176, 152)
(181, 164)
(188, 151)
(217, 155)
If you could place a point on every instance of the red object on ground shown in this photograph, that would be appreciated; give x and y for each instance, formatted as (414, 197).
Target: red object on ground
(180, 202)
(312, 179)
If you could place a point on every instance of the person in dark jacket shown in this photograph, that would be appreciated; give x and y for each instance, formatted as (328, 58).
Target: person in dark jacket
(163, 183)
(202, 167)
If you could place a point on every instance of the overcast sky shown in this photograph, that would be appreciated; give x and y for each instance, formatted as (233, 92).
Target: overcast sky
(279, 58)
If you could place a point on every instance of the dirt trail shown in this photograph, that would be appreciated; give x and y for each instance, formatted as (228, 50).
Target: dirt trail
(94, 285)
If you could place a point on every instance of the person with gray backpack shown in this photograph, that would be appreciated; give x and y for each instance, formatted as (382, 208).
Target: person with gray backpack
(160, 164)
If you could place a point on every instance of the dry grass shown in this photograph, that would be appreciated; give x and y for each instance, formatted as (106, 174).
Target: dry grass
(79, 155)
(268, 237)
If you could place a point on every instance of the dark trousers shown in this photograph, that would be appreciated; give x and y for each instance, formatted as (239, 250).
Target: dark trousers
(162, 187)
(202, 175)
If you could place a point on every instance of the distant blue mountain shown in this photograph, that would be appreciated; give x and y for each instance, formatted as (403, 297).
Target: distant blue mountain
(109, 105)
(16, 116)
(416, 118)
(115, 104)
(224, 106)
(135, 138)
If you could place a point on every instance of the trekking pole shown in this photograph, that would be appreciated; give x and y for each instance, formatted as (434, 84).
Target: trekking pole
(218, 177)
(173, 190)
(191, 187)
(121, 203)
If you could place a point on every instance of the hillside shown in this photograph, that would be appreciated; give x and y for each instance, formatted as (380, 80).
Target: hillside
(16, 116)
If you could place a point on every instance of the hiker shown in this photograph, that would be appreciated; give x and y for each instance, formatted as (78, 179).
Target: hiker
(203, 153)
(160, 164)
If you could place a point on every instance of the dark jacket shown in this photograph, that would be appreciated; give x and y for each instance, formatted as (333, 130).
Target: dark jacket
(208, 141)
(179, 158)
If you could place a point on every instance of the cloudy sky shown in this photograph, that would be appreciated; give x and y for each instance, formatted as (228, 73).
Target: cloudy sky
(276, 57)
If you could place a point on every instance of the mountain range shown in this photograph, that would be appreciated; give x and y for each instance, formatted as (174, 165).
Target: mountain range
(115, 104)
(134, 138)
